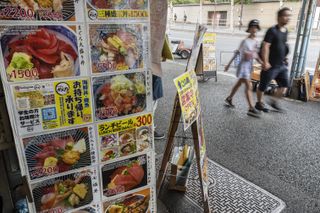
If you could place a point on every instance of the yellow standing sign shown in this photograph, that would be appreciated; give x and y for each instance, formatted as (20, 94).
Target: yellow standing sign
(188, 96)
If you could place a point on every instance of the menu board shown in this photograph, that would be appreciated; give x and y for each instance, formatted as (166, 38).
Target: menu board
(41, 52)
(51, 105)
(26, 10)
(119, 138)
(119, 9)
(77, 81)
(209, 52)
(203, 158)
(197, 41)
(188, 97)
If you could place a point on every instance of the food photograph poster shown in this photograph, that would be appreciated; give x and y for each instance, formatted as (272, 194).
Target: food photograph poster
(59, 152)
(120, 138)
(42, 52)
(78, 88)
(33, 11)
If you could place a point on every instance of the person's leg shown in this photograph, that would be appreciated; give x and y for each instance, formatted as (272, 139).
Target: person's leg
(282, 79)
(260, 95)
(265, 79)
(248, 92)
(235, 88)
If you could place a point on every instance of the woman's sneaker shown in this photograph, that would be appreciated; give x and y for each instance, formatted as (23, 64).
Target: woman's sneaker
(228, 102)
(254, 113)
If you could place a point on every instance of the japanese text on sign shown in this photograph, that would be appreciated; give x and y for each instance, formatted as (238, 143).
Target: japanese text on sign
(122, 13)
(125, 124)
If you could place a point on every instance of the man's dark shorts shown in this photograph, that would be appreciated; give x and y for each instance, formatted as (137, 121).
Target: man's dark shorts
(278, 73)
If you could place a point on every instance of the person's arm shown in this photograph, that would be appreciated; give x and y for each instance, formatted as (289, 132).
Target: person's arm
(237, 52)
(265, 56)
(226, 68)
(266, 49)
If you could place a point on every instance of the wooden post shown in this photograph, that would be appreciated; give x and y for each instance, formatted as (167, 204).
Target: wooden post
(174, 123)
(314, 80)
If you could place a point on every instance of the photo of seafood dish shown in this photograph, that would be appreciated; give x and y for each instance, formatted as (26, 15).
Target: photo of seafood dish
(45, 10)
(108, 154)
(116, 47)
(63, 193)
(34, 5)
(130, 175)
(43, 52)
(138, 202)
(108, 4)
(57, 152)
(127, 136)
(127, 149)
(119, 4)
(144, 138)
(138, 4)
(109, 140)
(121, 95)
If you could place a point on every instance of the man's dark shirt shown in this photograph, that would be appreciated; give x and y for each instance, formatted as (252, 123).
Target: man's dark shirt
(279, 48)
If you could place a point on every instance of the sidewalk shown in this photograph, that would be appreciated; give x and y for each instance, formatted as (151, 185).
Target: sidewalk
(279, 152)
(189, 27)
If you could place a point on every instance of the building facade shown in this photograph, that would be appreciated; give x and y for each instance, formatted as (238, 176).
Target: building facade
(219, 14)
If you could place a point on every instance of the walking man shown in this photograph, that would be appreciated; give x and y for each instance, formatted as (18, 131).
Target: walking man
(274, 57)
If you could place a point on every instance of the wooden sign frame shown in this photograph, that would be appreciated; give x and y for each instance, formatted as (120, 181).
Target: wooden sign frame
(174, 124)
(315, 78)
(205, 75)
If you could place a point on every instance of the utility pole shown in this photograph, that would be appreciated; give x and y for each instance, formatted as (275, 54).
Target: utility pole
(231, 14)
(241, 12)
(201, 4)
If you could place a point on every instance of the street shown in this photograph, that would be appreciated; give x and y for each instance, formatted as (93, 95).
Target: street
(226, 44)
(278, 152)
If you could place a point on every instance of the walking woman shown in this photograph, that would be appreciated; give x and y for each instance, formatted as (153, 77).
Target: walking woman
(248, 51)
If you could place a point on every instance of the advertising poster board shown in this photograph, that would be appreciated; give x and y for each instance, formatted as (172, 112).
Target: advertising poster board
(77, 82)
(188, 95)
(209, 52)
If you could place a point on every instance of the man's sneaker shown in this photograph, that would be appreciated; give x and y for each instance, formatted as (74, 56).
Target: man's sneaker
(261, 107)
(228, 102)
(158, 136)
(275, 105)
(254, 113)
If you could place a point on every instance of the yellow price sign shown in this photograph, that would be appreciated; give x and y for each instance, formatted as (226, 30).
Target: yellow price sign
(113, 127)
(103, 14)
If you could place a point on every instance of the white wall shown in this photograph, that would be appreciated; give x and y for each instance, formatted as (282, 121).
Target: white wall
(265, 12)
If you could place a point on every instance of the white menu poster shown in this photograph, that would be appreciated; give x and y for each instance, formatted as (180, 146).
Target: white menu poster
(77, 81)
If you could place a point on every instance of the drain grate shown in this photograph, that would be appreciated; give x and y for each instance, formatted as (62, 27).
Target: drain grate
(229, 193)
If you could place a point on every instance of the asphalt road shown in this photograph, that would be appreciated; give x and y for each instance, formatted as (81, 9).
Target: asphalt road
(278, 152)
(226, 44)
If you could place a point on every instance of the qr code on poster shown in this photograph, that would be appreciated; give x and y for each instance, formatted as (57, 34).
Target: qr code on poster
(49, 114)
(23, 103)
